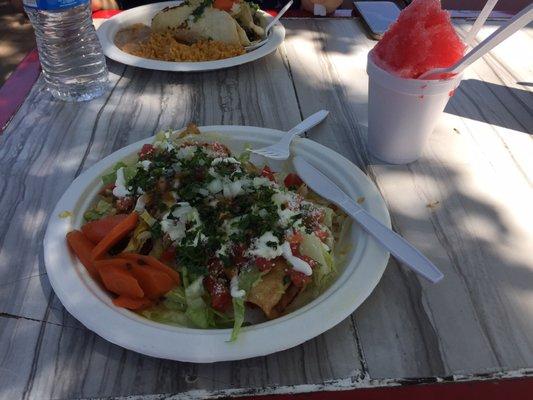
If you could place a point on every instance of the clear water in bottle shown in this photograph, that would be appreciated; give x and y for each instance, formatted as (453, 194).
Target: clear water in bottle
(72, 60)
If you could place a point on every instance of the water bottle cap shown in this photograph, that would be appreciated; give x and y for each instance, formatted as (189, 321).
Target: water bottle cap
(53, 4)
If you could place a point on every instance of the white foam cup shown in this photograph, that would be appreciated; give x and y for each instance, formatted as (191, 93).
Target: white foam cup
(403, 112)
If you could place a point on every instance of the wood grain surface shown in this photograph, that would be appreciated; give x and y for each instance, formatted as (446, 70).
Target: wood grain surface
(466, 204)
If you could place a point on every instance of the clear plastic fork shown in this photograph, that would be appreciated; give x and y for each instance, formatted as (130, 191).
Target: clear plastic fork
(281, 149)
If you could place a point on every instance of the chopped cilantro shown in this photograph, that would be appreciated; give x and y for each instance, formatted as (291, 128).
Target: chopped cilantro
(198, 12)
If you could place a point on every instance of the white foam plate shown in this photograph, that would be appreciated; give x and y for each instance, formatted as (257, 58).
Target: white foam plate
(92, 306)
(143, 14)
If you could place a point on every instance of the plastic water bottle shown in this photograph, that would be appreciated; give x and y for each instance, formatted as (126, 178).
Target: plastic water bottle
(71, 57)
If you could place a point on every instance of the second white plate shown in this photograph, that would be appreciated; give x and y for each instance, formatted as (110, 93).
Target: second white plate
(107, 31)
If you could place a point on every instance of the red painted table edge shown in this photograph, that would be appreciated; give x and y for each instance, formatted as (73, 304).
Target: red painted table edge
(491, 389)
(15, 89)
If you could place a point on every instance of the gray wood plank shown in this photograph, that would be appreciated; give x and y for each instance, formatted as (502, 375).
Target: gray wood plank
(475, 320)
(45, 360)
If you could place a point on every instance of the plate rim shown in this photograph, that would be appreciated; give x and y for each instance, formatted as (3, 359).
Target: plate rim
(106, 29)
(246, 346)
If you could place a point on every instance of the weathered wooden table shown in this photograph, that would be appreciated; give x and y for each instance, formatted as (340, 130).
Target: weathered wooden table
(467, 204)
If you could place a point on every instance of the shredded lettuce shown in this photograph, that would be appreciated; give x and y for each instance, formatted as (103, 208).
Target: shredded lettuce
(165, 316)
(164, 137)
(238, 312)
(280, 178)
(244, 157)
(328, 216)
(311, 246)
(176, 300)
(330, 261)
(197, 310)
(100, 210)
(248, 278)
(129, 172)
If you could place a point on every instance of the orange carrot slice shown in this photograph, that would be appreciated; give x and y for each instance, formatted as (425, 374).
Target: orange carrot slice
(153, 282)
(119, 232)
(132, 303)
(82, 247)
(154, 263)
(117, 277)
(95, 231)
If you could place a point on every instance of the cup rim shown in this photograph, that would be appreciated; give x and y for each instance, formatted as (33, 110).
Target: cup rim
(409, 85)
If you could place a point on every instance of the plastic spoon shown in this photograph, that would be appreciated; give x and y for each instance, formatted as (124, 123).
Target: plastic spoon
(478, 24)
(269, 27)
(520, 20)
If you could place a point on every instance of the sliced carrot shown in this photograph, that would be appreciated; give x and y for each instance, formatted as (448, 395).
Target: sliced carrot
(114, 236)
(117, 277)
(153, 263)
(82, 247)
(132, 303)
(96, 230)
(153, 282)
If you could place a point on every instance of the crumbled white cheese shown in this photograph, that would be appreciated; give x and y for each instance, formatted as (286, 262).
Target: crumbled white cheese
(280, 198)
(234, 288)
(297, 263)
(223, 251)
(167, 145)
(186, 153)
(260, 248)
(285, 216)
(199, 238)
(229, 160)
(232, 189)
(215, 186)
(145, 164)
(203, 192)
(120, 189)
(228, 226)
(211, 171)
(176, 227)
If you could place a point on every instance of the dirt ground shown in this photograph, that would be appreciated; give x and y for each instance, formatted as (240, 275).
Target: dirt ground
(16, 39)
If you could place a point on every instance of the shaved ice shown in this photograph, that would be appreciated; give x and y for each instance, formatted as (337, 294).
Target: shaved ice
(421, 39)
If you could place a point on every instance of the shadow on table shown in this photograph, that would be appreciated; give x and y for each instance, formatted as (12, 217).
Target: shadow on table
(475, 103)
